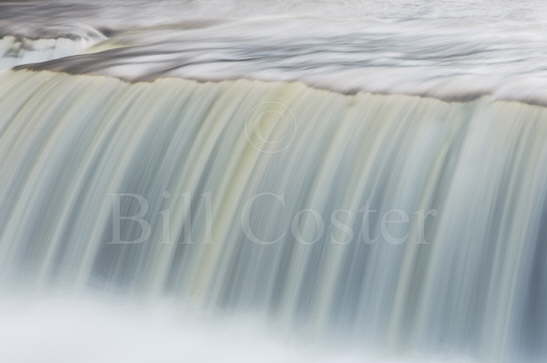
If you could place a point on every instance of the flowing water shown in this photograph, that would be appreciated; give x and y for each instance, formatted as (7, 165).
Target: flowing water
(204, 181)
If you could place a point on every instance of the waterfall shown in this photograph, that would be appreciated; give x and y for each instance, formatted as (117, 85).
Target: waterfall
(397, 221)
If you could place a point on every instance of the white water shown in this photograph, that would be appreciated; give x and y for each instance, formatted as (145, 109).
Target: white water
(15, 51)
(92, 329)
(453, 50)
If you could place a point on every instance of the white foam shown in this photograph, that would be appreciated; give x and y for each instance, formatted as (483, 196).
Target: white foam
(17, 50)
(92, 329)
(454, 50)
(413, 58)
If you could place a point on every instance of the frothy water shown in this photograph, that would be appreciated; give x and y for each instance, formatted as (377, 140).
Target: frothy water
(454, 50)
(48, 329)
(17, 50)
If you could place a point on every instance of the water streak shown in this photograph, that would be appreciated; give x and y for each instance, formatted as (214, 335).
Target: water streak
(401, 222)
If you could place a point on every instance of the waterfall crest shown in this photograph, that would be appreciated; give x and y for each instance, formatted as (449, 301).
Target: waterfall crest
(404, 221)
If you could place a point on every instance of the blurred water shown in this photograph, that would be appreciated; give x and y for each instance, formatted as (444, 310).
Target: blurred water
(107, 329)
(468, 283)
(247, 196)
(454, 50)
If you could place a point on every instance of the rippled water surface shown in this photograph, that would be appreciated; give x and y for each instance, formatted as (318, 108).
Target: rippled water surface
(448, 49)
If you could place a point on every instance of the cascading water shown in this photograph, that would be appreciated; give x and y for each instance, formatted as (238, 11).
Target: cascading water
(395, 223)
